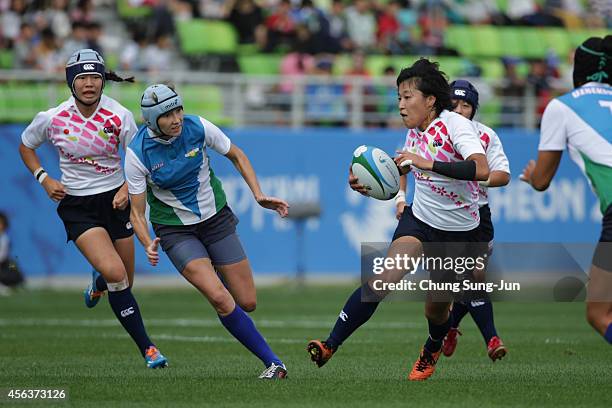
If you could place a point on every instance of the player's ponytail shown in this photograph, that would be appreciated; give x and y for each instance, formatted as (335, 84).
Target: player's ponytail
(112, 76)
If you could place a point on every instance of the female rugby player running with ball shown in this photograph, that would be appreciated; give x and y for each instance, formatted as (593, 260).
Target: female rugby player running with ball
(167, 161)
(87, 130)
(447, 161)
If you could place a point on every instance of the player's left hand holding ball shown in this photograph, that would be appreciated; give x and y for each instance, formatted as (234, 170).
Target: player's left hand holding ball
(120, 201)
(273, 203)
(406, 159)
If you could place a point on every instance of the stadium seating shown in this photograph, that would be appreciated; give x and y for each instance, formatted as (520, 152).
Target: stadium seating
(524, 42)
(204, 37)
(20, 102)
(7, 59)
(129, 12)
(260, 64)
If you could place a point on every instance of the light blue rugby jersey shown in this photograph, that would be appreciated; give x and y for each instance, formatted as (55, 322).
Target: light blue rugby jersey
(581, 121)
(181, 187)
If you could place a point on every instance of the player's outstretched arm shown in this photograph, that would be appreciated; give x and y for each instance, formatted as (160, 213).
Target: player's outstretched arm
(141, 228)
(244, 167)
(539, 174)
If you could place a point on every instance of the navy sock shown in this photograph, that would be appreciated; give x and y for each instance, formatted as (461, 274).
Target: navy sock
(353, 315)
(460, 309)
(437, 332)
(240, 325)
(608, 335)
(126, 309)
(482, 313)
(101, 284)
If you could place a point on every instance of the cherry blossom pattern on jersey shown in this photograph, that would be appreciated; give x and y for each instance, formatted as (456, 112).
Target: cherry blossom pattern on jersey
(435, 144)
(87, 141)
(485, 140)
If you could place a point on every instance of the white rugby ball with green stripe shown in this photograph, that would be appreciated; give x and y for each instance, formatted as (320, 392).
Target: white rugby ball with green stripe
(377, 171)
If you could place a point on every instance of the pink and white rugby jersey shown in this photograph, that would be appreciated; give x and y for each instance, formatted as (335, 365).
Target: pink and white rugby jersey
(88, 147)
(496, 158)
(439, 201)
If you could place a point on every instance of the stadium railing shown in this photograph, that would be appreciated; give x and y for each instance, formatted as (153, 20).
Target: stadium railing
(262, 100)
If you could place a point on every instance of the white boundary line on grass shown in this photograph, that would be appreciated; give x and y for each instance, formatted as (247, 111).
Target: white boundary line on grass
(189, 322)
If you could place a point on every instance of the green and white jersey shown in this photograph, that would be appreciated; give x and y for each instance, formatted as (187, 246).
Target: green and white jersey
(181, 187)
(581, 121)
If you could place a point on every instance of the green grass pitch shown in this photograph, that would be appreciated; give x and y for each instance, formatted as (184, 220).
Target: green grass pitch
(50, 340)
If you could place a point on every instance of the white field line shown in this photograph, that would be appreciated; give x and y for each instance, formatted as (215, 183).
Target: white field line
(187, 322)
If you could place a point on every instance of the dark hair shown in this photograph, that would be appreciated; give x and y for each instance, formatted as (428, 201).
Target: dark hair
(427, 78)
(593, 61)
(4, 220)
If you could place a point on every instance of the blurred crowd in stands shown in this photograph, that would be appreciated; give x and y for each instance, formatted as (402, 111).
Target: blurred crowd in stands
(41, 34)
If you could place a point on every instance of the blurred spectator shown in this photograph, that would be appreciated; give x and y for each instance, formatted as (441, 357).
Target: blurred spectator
(57, 18)
(158, 55)
(94, 34)
(599, 14)
(280, 26)
(131, 57)
(24, 46)
(297, 62)
(317, 24)
(83, 12)
(325, 100)
(361, 25)
(512, 92)
(433, 22)
(47, 53)
(339, 40)
(388, 28)
(213, 8)
(387, 100)
(182, 10)
(477, 11)
(408, 33)
(162, 20)
(539, 78)
(10, 20)
(247, 17)
(77, 40)
(527, 12)
(10, 276)
(568, 11)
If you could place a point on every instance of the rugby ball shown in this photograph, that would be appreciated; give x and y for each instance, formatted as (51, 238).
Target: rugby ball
(377, 171)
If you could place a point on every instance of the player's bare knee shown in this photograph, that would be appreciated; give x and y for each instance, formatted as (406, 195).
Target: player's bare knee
(221, 300)
(248, 305)
(112, 272)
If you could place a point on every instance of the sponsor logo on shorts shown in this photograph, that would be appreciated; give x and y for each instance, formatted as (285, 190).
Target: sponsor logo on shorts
(157, 166)
(127, 312)
(128, 225)
(343, 316)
